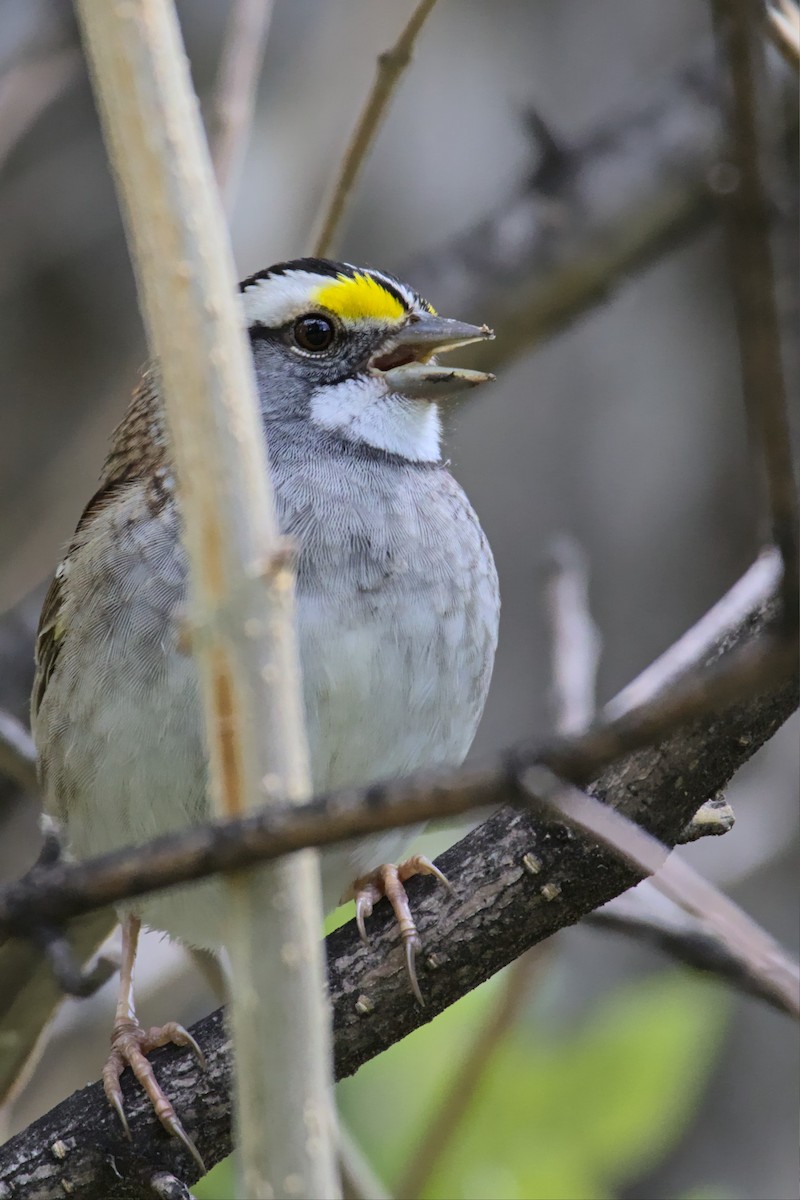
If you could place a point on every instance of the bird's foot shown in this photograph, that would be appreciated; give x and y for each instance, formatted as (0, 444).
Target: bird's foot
(388, 880)
(130, 1045)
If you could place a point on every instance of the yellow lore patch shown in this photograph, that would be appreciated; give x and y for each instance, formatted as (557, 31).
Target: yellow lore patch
(358, 298)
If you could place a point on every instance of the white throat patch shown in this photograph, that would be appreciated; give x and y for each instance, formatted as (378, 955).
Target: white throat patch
(361, 411)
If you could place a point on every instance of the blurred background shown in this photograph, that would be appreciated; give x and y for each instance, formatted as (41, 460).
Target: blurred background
(622, 1075)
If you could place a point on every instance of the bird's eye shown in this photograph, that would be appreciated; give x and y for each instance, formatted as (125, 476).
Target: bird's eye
(314, 333)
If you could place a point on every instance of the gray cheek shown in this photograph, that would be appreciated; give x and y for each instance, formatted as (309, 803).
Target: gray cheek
(286, 381)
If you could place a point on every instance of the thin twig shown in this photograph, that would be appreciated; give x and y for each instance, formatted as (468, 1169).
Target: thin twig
(517, 880)
(574, 638)
(240, 604)
(575, 653)
(392, 65)
(359, 1181)
(461, 1089)
(761, 580)
(56, 893)
(739, 934)
(233, 102)
(30, 996)
(28, 88)
(646, 915)
(17, 752)
(754, 153)
(783, 27)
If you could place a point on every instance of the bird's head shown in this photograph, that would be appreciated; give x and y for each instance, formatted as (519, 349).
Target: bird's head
(351, 350)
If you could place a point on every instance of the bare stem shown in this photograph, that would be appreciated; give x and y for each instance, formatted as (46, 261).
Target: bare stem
(392, 65)
(518, 878)
(755, 156)
(739, 934)
(648, 916)
(241, 589)
(235, 90)
(58, 892)
(461, 1090)
(574, 638)
(783, 26)
(27, 89)
(17, 752)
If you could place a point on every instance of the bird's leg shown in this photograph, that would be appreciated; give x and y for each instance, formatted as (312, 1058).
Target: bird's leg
(388, 880)
(130, 1045)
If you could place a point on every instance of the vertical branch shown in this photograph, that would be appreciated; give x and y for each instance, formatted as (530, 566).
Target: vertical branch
(755, 155)
(574, 638)
(241, 586)
(235, 89)
(455, 1104)
(391, 67)
(575, 653)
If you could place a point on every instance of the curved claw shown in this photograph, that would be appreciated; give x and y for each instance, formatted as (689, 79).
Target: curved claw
(363, 910)
(130, 1045)
(114, 1096)
(412, 949)
(389, 881)
(440, 876)
(173, 1032)
(175, 1129)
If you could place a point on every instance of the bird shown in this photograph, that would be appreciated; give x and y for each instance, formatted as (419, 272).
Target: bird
(397, 608)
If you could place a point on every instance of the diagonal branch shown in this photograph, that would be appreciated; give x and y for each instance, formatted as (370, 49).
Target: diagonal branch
(650, 917)
(597, 210)
(392, 65)
(519, 877)
(50, 894)
(17, 752)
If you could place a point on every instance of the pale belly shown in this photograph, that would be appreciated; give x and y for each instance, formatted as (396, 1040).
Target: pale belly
(396, 653)
(382, 699)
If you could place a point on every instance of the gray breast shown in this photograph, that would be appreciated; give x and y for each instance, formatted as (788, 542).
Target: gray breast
(397, 609)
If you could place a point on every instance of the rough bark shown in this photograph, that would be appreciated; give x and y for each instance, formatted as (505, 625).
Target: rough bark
(499, 908)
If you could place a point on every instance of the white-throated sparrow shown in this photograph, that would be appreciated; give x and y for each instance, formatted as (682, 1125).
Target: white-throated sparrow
(397, 603)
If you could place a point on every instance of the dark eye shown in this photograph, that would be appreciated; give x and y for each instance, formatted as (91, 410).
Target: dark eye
(314, 333)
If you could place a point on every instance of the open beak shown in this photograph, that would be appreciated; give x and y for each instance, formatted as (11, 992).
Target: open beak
(407, 368)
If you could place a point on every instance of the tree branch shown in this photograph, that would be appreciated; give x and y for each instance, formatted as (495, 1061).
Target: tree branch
(49, 895)
(783, 27)
(650, 917)
(392, 65)
(598, 210)
(518, 878)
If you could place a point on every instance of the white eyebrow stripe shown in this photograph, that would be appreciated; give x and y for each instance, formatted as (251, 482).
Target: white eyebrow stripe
(278, 298)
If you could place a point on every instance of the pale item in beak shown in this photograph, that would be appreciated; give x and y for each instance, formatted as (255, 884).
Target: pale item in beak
(406, 368)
